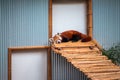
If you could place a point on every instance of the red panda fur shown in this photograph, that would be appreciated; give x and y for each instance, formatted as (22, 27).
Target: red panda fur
(74, 36)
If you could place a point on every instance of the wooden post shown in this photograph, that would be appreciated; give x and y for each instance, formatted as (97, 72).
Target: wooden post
(49, 36)
(50, 19)
(9, 64)
(89, 18)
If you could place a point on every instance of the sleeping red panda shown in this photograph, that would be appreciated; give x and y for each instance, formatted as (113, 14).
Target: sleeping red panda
(70, 35)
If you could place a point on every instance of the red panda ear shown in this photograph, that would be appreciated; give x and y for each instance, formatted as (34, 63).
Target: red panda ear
(51, 40)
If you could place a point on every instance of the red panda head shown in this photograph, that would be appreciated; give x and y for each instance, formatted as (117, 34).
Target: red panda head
(56, 39)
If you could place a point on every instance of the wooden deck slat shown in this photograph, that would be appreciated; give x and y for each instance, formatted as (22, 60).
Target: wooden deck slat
(82, 55)
(74, 44)
(90, 59)
(111, 76)
(93, 65)
(99, 70)
(99, 67)
(79, 54)
(101, 74)
(80, 49)
(73, 52)
(90, 62)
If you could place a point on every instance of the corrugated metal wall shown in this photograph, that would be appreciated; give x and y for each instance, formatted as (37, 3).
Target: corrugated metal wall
(62, 70)
(106, 22)
(25, 23)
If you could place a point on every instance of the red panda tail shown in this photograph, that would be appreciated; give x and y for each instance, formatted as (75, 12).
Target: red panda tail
(86, 39)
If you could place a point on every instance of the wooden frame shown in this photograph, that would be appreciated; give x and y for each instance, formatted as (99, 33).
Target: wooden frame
(89, 18)
(10, 50)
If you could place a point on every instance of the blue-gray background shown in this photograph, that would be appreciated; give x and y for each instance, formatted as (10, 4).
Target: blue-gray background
(25, 23)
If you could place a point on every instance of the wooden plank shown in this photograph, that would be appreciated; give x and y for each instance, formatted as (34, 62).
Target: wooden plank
(83, 55)
(90, 59)
(81, 49)
(97, 44)
(80, 54)
(74, 51)
(93, 65)
(74, 44)
(110, 76)
(101, 74)
(56, 50)
(100, 67)
(29, 47)
(90, 62)
(99, 70)
(86, 57)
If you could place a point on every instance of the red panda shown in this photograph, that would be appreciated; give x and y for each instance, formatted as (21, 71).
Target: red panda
(70, 35)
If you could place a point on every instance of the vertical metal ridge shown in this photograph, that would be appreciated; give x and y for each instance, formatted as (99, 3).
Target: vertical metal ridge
(23, 23)
(106, 22)
(63, 70)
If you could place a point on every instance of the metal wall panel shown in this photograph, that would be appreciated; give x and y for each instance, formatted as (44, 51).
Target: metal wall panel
(63, 70)
(106, 22)
(23, 23)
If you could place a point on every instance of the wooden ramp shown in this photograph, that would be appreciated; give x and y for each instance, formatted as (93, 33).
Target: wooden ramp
(88, 58)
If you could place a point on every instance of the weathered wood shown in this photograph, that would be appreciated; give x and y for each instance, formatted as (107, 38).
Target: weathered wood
(81, 49)
(89, 18)
(50, 19)
(101, 74)
(73, 44)
(110, 76)
(93, 65)
(97, 44)
(29, 47)
(99, 70)
(90, 61)
(78, 48)
(100, 67)
(86, 56)
(80, 54)
(75, 51)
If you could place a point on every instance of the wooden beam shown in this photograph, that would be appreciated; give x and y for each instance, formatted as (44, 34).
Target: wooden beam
(50, 19)
(28, 47)
(89, 18)
(9, 64)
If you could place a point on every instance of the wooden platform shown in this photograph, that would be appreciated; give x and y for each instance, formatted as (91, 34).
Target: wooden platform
(88, 58)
